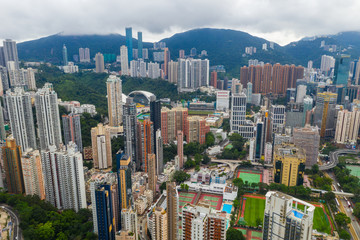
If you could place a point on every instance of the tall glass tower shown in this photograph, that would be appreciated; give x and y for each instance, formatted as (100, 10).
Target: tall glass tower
(342, 70)
(140, 45)
(129, 43)
(65, 57)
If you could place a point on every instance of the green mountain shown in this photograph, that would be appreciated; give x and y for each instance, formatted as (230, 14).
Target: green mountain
(224, 47)
(49, 48)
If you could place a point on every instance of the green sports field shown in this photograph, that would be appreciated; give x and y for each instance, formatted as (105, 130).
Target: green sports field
(250, 177)
(254, 209)
(355, 170)
(321, 222)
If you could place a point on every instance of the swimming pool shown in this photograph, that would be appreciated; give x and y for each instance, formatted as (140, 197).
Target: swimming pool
(227, 208)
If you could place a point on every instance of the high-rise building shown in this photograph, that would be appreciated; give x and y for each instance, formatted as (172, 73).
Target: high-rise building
(283, 218)
(277, 118)
(180, 148)
(181, 53)
(2, 125)
(140, 45)
(32, 173)
(152, 176)
(2, 57)
(327, 62)
(4, 78)
(124, 60)
(124, 166)
(159, 152)
(289, 164)
(130, 131)
(196, 129)
(324, 114)
(268, 153)
(192, 74)
(160, 224)
(101, 145)
(48, 118)
(145, 144)
(10, 52)
(173, 68)
(203, 223)
(21, 118)
(238, 111)
(65, 56)
(342, 70)
(99, 63)
(222, 100)
(300, 93)
(166, 61)
(213, 79)
(114, 98)
(64, 189)
(84, 54)
(153, 70)
(129, 221)
(172, 202)
(172, 121)
(155, 116)
(347, 126)
(105, 182)
(11, 157)
(308, 138)
(193, 52)
(129, 42)
(72, 130)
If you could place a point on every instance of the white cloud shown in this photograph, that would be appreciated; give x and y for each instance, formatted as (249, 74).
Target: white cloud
(281, 21)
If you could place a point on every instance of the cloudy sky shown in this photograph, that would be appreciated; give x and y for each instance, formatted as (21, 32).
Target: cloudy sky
(281, 21)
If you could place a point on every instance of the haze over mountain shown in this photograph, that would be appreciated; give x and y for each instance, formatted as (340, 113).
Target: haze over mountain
(224, 46)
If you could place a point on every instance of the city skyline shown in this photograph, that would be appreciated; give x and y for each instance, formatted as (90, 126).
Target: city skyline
(275, 24)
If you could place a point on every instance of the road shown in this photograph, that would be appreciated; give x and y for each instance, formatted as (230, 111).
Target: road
(354, 226)
(16, 222)
(334, 158)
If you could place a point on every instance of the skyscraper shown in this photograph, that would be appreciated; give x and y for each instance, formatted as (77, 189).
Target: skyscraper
(213, 79)
(289, 164)
(308, 138)
(129, 43)
(33, 173)
(159, 153)
(114, 98)
(65, 56)
(11, 156)
(21, 118)
(155, 116)
(81, 54)
(130, 132)
(196, 129)
(172, 210)
(160, 224)
(152, 176)
(48, 119)
(181, 53)
(10, 52)
(2, 57)
(140, 45)
(166, 61)
(101, 146)
(172, 121)
(180, 148)
(145, 144)
(284, 220)
(64, 189)
(324, 114)
(104, 212)
(99, 63)
(2, 125)
(173, 68)
(342, 70)
(72, 130)
(124, 60)
(238, 111)
(347, 126)
(124, 167)
(277, 118)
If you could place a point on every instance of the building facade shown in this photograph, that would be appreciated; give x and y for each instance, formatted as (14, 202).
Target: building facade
(114, 98)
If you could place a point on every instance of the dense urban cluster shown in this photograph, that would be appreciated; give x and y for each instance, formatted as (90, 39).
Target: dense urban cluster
(271, 154)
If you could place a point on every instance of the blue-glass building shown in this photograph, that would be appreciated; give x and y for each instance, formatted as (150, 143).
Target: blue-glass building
(129, 43)
(104, 211)
(140, 45)
(342, 70)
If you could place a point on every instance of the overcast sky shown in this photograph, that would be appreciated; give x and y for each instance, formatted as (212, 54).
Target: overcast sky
(281, 21)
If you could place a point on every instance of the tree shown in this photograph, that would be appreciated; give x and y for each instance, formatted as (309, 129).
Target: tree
(238, 182)
(343, 234)
(189, 164)
(197, 158)
(197, 168)
(206, 159)
(169, 152)
(233, 234)
(186, 187)
(163, 187)
(342, 220)
(180, 176)
(357, 210)
(315, 168)
(226, 125)
(209, 139)
(329, 196)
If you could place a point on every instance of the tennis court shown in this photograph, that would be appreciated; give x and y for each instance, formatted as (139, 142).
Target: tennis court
(250, 176)
(215, 200)
(186, 197)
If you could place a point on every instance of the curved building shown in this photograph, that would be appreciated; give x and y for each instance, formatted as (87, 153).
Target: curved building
(142, 97)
